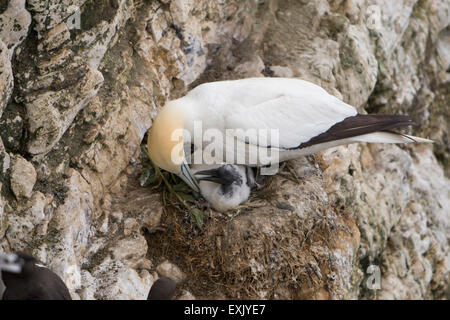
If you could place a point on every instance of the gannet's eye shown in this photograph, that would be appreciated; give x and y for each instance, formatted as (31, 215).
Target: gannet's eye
(189, 148)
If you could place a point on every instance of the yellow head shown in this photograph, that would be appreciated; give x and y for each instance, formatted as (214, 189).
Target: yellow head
(165, 141)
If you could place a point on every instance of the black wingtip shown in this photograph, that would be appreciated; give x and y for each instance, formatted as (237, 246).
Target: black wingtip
(359, 125)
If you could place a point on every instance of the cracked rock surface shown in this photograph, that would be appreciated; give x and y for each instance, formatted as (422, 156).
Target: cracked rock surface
(81, 81)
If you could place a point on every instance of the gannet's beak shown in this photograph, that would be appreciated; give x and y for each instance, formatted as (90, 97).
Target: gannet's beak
(10, 263)
(187, 177)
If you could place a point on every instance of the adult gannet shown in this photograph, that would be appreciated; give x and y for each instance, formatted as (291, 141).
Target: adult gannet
(306, 118)
(26, 280)
(224, 186)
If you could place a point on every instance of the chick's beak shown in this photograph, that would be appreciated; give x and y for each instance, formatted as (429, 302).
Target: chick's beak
(210, 175)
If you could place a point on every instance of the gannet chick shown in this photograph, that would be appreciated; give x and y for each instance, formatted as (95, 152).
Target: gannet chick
(162, 289)
(306, 117)
(26, 280)
(224, 186)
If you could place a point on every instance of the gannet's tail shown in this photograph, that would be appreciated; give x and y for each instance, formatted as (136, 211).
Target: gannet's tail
(389, 137)
(360, 128)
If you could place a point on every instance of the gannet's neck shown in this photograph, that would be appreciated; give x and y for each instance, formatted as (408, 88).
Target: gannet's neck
(186, 107)
(165, 139)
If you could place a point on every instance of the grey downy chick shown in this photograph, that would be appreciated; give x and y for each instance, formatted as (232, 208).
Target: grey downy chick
(224, 186)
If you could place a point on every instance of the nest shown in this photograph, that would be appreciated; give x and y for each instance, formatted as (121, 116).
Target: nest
(253, 252)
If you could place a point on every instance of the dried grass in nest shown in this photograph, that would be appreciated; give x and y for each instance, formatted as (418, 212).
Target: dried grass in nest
(284, 259)
(214, 268)
(190, 248)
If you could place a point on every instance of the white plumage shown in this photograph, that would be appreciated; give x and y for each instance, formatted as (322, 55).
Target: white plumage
(299, 109)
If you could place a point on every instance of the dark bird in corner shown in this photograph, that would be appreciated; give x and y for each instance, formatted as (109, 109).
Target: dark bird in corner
(26, 280)
(162, 289)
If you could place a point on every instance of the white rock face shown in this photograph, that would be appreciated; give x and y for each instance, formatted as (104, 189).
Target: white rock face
(14, 23)
(85, 95)
(6, 77)
(23, 177)
(169, 270)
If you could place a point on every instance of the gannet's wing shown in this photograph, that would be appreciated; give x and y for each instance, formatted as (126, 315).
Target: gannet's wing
(299, 115)
(298, 109)
(302, 113)
(301, 125)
